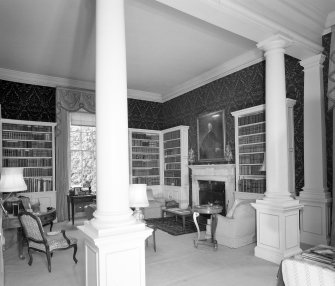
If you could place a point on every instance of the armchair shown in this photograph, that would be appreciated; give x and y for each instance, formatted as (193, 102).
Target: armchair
(238, 228)
(39, 241)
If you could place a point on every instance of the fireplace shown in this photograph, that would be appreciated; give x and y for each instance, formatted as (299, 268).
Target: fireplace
(212, 192)
(224, 173)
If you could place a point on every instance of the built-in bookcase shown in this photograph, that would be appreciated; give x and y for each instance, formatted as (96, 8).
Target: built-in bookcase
(159, 159)
(31, 145)
(250, 150)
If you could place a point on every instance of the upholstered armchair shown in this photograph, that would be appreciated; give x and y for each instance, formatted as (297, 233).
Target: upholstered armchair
(238, 227)
(40, 241)
(154, 210)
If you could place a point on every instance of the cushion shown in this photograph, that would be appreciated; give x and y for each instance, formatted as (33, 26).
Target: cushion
(150, 195)
(55, 242)
(244, 210)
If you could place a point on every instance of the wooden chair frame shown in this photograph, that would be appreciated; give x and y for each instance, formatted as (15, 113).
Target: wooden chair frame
(44, 241)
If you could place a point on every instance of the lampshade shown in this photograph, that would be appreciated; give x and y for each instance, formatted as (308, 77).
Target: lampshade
(12, 180)
(263, 167)
(138, 196)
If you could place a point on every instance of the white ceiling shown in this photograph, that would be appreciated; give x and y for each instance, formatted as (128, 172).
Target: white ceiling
(166, 49)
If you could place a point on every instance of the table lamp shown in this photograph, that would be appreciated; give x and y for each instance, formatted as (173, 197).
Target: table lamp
(138, 199)
(11, 181)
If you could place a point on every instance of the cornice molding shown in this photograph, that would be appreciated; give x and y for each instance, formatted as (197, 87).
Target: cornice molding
(44, 80)
(330, 20)
(144, 95)
(247, 59)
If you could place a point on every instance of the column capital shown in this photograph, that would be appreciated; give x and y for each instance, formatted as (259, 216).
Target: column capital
(313, 61)
(275, 42)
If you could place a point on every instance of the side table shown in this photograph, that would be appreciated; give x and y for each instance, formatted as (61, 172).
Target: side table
(77, 199)
(153, 235)
(212, 210)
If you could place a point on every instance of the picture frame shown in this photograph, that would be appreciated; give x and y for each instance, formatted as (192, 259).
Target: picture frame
(211, 136)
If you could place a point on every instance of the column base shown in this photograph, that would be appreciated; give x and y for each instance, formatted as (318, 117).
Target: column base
(278, 234)
(315, 217)
(120, 249)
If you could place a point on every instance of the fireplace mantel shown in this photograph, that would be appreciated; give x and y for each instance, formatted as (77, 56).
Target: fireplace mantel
(219, 172)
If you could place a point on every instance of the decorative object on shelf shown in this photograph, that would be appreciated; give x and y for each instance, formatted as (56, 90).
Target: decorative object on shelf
(191, 157)
(11, 182)
(228, 154)
(211, 136)
(138, 199)
(263, 167)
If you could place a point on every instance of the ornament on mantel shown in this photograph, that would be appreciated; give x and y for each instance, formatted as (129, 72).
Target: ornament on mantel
(191, 157)
(228, 154)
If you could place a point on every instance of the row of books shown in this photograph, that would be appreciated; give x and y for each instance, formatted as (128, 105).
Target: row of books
(145, 156)
(40, 162)
(253, 129)
(257, 158)
(252, 186)
(26, 144)
(172, 166)
(148, 143)
(172, 181)
(252, 148)
(171, 135)
(321, 253)
(35, 128)
(252, 139)
(250, 119)
(38, 184)
(172, 159)
(171, 152)
(150, 181)
(251, 170)
(146, 172)
(10, 135)
(37, 172)
(145, 149)
(172, 144)
(27, 153)
(152, 163)
(145, 136)
(172, 173)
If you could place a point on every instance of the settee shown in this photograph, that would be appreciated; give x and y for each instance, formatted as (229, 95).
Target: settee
(238, 227)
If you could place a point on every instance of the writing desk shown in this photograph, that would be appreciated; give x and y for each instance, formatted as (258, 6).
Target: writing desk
(77, 199)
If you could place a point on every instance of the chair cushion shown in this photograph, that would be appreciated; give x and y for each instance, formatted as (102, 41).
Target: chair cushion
(244, 210)
(55, 242)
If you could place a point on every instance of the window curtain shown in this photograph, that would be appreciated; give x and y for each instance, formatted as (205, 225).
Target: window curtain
(67, 100)
(331, 106)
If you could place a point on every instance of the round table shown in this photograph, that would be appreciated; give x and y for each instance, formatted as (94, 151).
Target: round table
(212, 210)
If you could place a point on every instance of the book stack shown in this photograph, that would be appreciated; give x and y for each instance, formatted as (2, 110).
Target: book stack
(321, 253)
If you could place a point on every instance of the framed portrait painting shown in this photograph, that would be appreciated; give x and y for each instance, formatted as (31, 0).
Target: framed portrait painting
(211, 136)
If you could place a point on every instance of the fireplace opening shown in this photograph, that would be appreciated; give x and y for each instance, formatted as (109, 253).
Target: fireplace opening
(212, 192)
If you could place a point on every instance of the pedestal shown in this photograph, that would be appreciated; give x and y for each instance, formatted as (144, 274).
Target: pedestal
(315, 217)
(116, 257)
(278, 234)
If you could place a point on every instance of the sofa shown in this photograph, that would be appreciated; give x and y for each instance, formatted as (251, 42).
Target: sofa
(238, 227)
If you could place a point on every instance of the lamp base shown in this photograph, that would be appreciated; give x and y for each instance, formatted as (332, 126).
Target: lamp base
(138, 214)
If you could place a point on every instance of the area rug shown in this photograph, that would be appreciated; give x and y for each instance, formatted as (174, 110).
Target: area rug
(173, 227)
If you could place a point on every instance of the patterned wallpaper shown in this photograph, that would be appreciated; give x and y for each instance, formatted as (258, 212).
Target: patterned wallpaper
(329, 115)
(27, 101)
(144, 114)
(237, 91)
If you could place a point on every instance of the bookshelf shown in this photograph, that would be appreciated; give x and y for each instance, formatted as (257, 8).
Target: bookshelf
(159, 159)
(250, 150)
(31, 145)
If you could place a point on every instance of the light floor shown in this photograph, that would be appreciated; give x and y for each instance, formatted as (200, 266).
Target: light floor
(176, 262)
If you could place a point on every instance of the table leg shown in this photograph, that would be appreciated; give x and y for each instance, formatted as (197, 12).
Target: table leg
(20, 242)
(51, 225)
(72, 207)
(154, 238)
(213, 230)
(68, 208)
(195, 215)
(183, 222)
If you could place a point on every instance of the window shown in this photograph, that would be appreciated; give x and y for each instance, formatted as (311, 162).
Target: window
(83, 150)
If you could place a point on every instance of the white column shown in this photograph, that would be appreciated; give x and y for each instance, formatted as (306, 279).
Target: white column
(315, 220)
(278, 213)
(114, 244)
